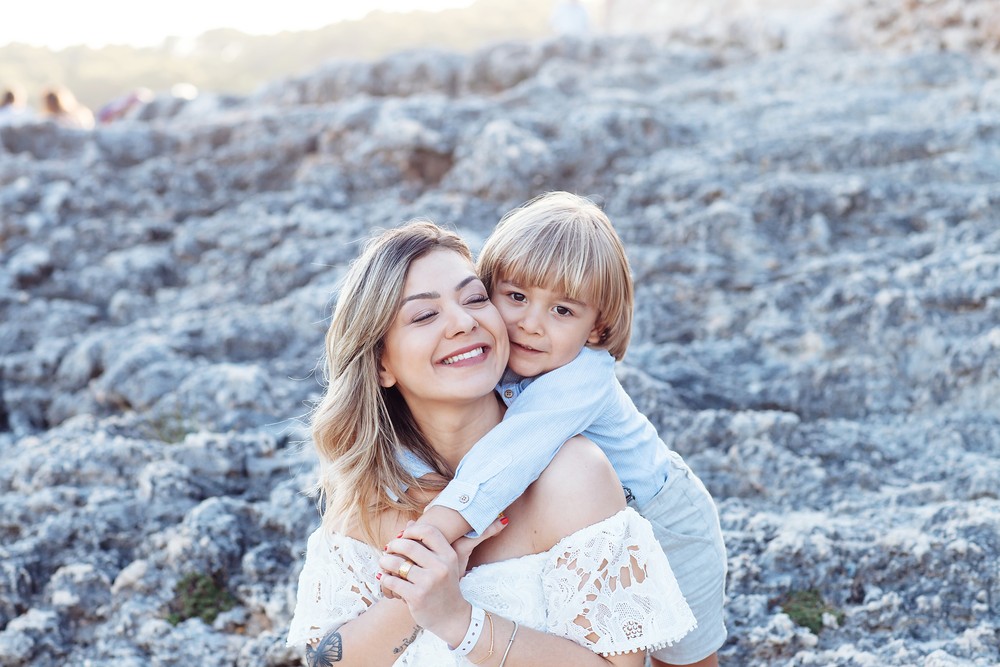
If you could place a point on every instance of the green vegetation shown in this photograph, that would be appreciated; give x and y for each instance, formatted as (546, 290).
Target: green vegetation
(807, 607)
(169, 427)
(229, 61)
(199, 596)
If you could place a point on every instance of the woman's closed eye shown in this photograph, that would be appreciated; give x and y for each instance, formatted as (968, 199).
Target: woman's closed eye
(423, 316)
(477, 299)
(474, 301)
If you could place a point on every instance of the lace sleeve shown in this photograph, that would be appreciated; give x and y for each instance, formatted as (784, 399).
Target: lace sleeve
(610, 588)
(336, 585)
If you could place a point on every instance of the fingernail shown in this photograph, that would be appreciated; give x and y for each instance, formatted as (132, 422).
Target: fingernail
(400, 534)
(504, 521)
(385, 548)
(378, 576)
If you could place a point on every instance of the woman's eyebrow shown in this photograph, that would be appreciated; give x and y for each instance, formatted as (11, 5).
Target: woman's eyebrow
(436, 295)
(422, 295)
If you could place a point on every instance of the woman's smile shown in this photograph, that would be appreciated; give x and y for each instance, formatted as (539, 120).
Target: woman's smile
(469, 355)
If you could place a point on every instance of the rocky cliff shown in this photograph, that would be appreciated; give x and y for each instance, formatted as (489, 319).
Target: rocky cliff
(815, 240)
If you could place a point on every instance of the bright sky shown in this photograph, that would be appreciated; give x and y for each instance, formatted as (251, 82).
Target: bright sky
(61, 23)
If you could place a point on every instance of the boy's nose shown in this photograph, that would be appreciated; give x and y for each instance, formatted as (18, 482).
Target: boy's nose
(529, 323)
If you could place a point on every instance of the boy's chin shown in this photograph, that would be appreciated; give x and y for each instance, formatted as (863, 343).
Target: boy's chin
(525, 370)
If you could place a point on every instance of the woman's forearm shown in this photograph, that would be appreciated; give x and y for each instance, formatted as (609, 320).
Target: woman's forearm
(376, 638)
(531, 648)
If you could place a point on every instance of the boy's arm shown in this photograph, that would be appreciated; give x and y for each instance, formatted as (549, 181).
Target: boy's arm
(552, 409)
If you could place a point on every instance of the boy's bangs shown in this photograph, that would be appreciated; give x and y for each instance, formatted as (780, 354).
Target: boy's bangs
(557, 267)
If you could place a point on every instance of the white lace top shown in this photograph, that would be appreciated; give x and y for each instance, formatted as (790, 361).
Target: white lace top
(608, 587)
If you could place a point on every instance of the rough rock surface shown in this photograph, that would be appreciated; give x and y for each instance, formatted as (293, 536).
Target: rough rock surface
(815, 240)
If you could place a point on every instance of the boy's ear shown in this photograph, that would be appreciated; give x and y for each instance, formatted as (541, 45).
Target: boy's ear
(597, 334)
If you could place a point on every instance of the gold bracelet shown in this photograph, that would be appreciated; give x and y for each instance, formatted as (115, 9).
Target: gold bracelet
(489, 655)
(509, 644)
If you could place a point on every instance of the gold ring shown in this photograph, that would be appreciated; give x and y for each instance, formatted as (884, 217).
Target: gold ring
(404, 569)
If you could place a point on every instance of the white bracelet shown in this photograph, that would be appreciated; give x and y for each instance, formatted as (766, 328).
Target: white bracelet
(472, 634)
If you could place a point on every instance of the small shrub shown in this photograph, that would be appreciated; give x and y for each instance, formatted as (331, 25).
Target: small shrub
(199, 596)
(170, 427)
(807, 607)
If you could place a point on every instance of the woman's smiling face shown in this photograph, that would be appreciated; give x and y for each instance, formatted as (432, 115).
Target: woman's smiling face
(447, 342)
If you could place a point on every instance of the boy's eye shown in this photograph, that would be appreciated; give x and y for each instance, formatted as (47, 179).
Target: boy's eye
(517, 296)
(563, 310)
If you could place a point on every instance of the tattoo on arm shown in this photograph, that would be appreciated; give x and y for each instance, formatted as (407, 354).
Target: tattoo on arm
(327, 651)
(406, 642)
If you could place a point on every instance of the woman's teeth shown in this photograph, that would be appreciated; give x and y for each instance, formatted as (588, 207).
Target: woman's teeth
(465, 355)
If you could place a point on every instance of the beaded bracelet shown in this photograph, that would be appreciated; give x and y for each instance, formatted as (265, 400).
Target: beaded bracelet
(472, 634)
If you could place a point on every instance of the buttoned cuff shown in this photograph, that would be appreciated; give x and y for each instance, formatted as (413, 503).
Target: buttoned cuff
(459, 497)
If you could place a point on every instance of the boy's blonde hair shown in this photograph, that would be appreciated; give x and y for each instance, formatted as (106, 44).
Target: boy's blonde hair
(564, 242)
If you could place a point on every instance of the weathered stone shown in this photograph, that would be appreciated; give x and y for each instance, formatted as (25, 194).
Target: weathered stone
(812, 231)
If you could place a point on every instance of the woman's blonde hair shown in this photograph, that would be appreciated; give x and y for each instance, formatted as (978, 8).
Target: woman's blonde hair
(564, 242)
(359, 427)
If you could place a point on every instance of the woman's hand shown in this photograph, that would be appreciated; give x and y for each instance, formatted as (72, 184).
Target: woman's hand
(430, 587)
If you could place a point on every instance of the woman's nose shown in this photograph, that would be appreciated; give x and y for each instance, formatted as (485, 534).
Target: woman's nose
(461, 321)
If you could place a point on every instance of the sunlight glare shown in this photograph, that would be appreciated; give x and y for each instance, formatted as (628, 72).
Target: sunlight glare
(60, 23)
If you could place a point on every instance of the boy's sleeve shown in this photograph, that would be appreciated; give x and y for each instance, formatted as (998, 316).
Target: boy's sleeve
(551, 410)
(412, 464)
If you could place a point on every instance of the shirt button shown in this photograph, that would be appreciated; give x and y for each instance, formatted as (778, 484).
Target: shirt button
(463, 498)
(508, 393)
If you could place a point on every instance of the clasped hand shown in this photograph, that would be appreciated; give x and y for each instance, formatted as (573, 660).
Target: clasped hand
(430, 587)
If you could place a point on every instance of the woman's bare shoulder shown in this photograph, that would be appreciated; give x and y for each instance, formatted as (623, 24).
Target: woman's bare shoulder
(387, 525)
(578, 488)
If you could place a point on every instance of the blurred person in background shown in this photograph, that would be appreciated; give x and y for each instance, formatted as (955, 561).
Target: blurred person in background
(122, 106)
(61, 105)
(13, 105)
(570, 18)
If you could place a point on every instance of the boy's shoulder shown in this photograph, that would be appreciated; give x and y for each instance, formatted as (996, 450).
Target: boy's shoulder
(590, 360)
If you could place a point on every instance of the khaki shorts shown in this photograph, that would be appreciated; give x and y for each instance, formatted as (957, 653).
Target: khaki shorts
(686, 523)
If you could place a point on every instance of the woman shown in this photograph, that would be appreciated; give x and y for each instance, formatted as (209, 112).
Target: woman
(414, 351)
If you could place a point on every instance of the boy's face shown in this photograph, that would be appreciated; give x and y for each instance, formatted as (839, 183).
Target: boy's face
(546, 329)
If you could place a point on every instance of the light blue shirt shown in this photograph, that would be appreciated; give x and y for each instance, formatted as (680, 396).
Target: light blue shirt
(584, 396)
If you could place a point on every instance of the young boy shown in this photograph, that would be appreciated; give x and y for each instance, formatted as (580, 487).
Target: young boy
(558, 273)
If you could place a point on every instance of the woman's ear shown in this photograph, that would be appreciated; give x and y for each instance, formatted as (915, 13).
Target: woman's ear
(385, 377)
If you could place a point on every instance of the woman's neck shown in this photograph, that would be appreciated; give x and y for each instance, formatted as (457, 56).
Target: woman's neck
(452, 429)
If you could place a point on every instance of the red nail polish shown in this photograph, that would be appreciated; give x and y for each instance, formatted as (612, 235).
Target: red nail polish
(378, 576)
(385, 548)
(504, 521)
(400, 534)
